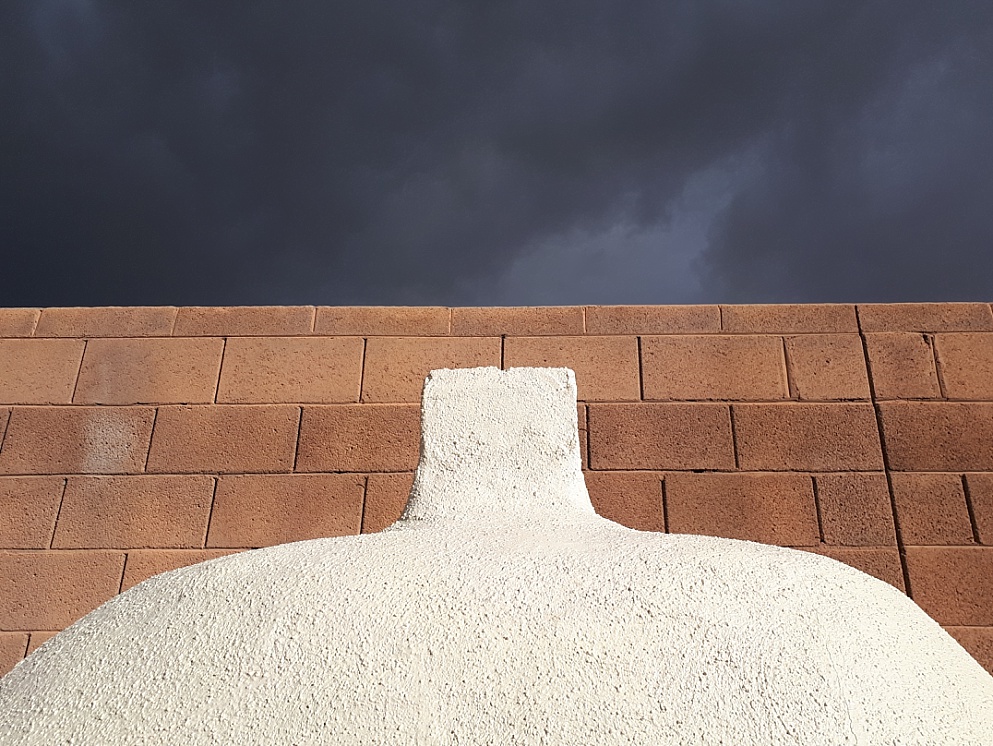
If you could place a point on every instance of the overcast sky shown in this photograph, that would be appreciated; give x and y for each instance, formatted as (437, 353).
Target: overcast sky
(495, 153)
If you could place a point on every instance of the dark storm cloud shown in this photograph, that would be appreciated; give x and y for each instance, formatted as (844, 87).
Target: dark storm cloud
(886, 195)
(416, 152)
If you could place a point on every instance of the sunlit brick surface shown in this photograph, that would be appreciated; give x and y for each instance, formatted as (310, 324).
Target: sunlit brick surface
(134, 441)
(902, 365)
(714, 367)
(824, 367)
(149, 371)
(39, 371)
(606, 367)
(789, 319)
(526, 321)
(395, 367)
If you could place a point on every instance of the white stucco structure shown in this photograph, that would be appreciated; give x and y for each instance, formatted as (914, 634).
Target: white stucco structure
(502, 610)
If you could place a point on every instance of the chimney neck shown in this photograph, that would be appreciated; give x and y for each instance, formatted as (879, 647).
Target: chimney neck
(499, 444)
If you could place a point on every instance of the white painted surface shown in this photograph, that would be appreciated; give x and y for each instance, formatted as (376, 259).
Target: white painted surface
(502, 610)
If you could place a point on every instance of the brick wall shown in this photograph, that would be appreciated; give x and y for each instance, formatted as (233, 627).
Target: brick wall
(137, 440)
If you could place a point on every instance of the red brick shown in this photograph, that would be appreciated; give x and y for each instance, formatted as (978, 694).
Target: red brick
(260, 511)
(403, 321)
(980, 488)
(631, 498)
(12, 650)
(360, 438)
(931, 509)
(827, 366)
(395, 367)
(938, 436)
(902, 366)
(149, 371)
(807, 437)
(584, 429)
(29, 506)
(385, 498)
(291, 369)
(528, 321)
(855, 509)
(789, 319)
(606, 367)
(768, 508)
(882, 563)
(660, 436)
(652, 319)
(966, 365)
(18, 322)
(145, 563)
(39, 371)
(953, 584)
(244, 321)
(76, 440)
(224, 438)
(4, 418)
(128, 321)
(134, 512)
(714, 367)
(978, 641)
(37, 639)
(52, 589)
(925, 317)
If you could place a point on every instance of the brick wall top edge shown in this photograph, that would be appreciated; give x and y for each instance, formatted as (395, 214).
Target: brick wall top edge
(907, 304)
(108, 321)
(18, 322)
(925, 317)
(244, 320)
(554, 320)
(789, 318)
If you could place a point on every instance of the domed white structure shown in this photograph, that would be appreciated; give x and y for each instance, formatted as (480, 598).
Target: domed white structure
(501, 609)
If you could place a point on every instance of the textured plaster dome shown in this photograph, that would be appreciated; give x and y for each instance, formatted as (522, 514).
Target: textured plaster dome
(501, 609)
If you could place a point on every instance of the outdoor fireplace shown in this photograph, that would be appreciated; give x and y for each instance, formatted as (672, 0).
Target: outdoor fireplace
(502, 609)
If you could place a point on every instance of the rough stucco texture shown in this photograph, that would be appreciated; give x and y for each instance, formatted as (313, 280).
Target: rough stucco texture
(138, 440)
(509, 612)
